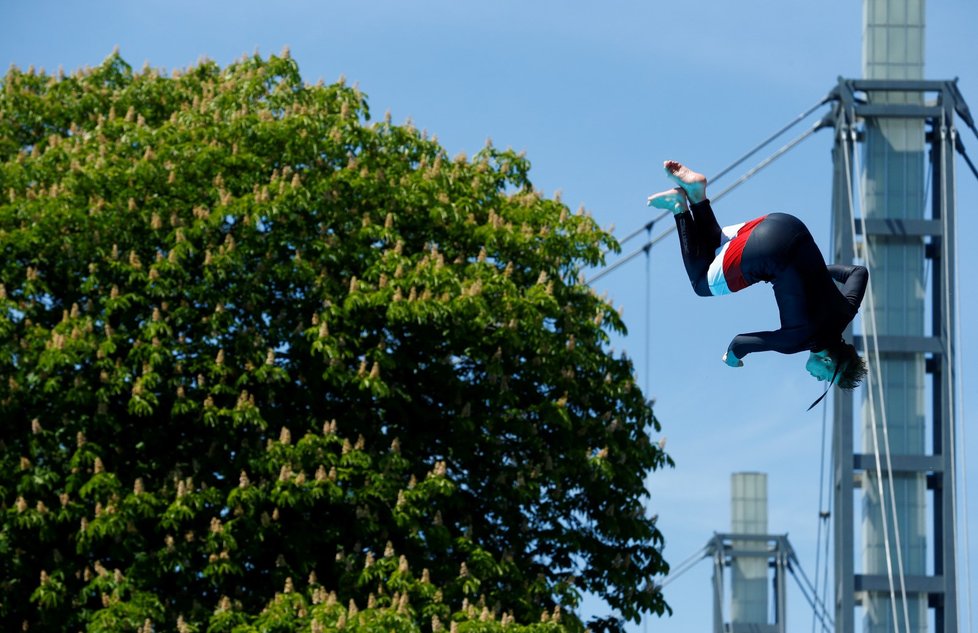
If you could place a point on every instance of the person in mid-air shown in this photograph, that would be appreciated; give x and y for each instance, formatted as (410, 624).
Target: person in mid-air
(775, 248)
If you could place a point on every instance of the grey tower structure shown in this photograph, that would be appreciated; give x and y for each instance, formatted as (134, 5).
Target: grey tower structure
(750, 553)
(892, 130)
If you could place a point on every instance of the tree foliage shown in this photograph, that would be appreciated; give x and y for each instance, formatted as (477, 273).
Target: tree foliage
(263, 361)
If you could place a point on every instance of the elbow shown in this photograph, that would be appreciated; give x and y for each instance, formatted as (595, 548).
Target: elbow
(736, 348)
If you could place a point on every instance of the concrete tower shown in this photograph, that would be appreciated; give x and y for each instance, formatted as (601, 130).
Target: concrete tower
(893, 187)
(895, 133)
(748, 555)
(749, 575)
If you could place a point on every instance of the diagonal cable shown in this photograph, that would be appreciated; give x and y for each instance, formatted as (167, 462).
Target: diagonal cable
(740, 160)
(872, 410)
(750, 174)
(960, 396)
(766, 142)
(819, 607)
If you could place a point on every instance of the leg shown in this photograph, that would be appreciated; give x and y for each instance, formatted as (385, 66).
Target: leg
(699, 237)
(699, 233)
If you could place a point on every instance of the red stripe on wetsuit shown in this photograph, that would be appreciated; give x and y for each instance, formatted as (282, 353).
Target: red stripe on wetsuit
(734, 253)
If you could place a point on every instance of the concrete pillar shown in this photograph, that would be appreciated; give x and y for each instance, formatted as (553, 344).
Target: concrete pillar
(749, 575)
(893, 186)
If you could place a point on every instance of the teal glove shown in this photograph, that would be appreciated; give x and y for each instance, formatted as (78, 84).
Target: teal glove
(731, 360)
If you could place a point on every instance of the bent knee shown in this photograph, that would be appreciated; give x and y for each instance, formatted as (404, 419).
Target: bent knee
(702, 289)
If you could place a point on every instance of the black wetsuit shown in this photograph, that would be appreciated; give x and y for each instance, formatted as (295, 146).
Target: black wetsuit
(776, 248)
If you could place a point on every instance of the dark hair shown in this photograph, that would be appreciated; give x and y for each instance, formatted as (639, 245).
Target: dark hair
(852, 367)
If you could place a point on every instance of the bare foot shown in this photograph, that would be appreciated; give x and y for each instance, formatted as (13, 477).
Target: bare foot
(693, 184)
(674, 200)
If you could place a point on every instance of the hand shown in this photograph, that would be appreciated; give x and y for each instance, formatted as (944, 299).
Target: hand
(731, 360)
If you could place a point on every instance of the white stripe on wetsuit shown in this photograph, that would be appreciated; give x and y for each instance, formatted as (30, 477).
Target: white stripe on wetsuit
(714, 276)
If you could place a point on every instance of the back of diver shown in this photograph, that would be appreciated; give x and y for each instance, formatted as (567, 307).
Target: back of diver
(775, 248)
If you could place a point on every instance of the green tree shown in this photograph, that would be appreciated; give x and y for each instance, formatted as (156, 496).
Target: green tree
(261, 358)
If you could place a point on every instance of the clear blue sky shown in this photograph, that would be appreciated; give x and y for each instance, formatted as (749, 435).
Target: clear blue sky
(598, 94)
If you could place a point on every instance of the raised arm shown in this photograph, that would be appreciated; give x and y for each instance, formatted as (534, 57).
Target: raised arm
(853, 280)
(785, 341)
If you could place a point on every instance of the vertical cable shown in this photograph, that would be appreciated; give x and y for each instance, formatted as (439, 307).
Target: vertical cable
(648, 338)
(825, 573)
(874, 373)
(964, 427)
(951, 354)
(648, 310)
(886, 433)
(821, 512)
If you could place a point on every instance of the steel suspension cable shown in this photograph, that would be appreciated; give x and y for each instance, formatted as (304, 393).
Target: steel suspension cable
(951, 353)
(886, 433)
(818, 606)
(818, 615)
(750, 174)
(763, 144)
(877, 374)
(886, 532)
(730, 167)
(821, 512)
(648, 320)
(964, 441)
(770, 159)
(627, 258)
(825, 570)
(826, 514)
(644, 229)
(685, 566)
(960, 147)
(961, 416)
(965, 114)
